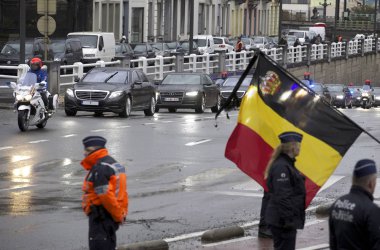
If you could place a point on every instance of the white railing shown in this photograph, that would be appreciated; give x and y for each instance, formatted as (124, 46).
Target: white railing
(274, 53)
(297, 54)
(337, 49)
(318, 51)
(238, 61)
(353, 47)
(20, 70)
(368, 45)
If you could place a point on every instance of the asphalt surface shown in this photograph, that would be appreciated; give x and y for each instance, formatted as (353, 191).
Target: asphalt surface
(179, 182)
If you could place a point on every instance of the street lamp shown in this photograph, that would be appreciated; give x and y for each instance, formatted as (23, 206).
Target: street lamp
(324, 4)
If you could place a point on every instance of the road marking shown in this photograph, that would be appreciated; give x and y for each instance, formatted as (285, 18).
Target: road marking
(190, 144)
(184, 237)
(167, 121)
(229, 241)
(250, 224)
(313, 222)
(70, 135)
(259, 195)
(316, 247)
(38, 141)
(127, 126)
(5, 148)
(98, 130)
(149, 123)
(18, 187)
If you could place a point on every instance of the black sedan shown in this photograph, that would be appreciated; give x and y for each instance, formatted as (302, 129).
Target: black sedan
(188, 91)
(340, 96)
(229, 84)
(123, 51)
(322, 91)
(117, 90)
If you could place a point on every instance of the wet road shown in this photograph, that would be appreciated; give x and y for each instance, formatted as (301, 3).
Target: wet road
(178, 179)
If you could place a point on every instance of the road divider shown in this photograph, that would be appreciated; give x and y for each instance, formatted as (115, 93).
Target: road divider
(146, 245)
(222, 234)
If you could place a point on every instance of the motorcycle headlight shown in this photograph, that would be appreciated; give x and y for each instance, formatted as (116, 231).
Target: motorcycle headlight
(116, 94)
(70, 92)
(19, 97)
(365, 94)
(339, 97)
(28, 98)
(192, 93)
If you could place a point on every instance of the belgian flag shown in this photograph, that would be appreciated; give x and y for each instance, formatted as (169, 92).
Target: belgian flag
(277, 102)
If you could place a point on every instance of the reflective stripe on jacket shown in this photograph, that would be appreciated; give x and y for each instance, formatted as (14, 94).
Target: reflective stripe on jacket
(106, 185)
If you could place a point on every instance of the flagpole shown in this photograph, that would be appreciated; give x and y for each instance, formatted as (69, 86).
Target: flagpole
(237, 86)
(290, 75)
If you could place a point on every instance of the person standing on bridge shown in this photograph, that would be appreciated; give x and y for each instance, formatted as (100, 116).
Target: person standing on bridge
(285, 212)
(354, 221)
(105, 198)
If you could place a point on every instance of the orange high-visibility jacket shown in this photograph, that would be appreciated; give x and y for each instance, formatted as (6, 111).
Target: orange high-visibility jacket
(105, 185)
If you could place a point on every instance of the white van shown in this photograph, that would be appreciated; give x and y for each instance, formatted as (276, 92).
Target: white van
(303, 35)
(205, 43)
(96, 45)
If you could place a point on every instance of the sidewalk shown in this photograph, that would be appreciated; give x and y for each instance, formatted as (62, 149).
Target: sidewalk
(314, 236)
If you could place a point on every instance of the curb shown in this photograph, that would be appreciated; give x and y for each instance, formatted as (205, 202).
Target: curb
(146, 245)
(222, 234)
(324, 210)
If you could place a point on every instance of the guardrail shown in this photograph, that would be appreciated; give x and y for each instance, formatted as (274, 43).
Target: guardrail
(157, 68)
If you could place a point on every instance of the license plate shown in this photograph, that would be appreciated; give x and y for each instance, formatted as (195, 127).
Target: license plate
(91, 103)
(172, 99)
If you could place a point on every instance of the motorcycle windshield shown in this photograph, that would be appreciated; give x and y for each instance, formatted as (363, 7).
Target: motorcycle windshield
(29, 79)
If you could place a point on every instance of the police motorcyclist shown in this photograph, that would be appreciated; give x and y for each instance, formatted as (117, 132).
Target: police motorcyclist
(367, 87)
(354, 221)
(36, 68)
(285, 212)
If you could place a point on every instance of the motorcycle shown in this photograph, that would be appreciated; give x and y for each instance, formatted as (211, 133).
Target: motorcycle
(29, 104)
(366, 100)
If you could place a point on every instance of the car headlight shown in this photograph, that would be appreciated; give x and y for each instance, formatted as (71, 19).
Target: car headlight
(192, 93)
(157, 95)
(358, 98)
(116, 94)
(57, 59)
(70, 92)
(339, 97)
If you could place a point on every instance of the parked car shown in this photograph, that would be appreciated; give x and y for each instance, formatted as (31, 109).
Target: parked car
(161, 49)
(356, 95)
(124, 51)
(376, 93)
(184, 48)
(229, 84)
(222, 44)
(188, 91)
(205, 43)
(273, 41)
(248, 43)
(117, 90)
(260, 42)
(340, 96)
(143, 50)
(67, 52)
(322, 91)
(96, 45)
(173, 46)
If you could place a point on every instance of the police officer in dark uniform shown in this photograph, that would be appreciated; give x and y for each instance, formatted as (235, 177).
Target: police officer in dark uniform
(354, 221)
(285, 211)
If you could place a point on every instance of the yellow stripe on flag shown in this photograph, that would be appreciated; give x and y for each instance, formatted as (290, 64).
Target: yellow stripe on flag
(317, 160)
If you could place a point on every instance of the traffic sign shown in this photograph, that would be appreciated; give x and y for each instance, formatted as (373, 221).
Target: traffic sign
(46, 26)
(48, 7)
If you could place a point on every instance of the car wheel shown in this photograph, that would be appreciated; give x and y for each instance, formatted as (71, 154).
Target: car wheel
(98, 113)
(127, 108)
(152, 107)
(217, 106)
(172, 110)
(70, 112)
(202, 106)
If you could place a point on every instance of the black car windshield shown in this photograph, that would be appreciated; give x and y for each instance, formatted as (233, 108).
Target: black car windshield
(335, 88)
(158, 46)
(58, 47)
(172, 45)
(201, 42)
(185, 45)
(87, 41)
(116, 77)
(231, 82)
(218, 40)
(182, 79)
(14, 48)
(139, 47)
(118, 48)
(317, 88)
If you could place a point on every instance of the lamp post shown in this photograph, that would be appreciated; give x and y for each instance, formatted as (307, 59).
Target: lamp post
(22, 31)
(191, 2)
(279, 19)
(324, 5)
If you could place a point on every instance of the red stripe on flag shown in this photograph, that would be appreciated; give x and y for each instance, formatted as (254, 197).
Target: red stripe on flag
(251, 154)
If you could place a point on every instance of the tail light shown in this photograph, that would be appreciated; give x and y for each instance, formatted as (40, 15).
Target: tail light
(222, 46)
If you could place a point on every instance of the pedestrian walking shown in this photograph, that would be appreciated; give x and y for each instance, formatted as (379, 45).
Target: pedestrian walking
(354, 221)
(105, 198)
(285, 212)
(238, 48)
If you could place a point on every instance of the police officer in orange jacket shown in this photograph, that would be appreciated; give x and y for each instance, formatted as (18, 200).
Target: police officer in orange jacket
(105, 198)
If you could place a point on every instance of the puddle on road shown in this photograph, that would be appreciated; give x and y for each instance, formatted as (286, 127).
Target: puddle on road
(206, 177)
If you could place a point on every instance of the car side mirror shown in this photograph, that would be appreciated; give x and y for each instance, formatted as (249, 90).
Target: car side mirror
(138, 82)
(76, 79)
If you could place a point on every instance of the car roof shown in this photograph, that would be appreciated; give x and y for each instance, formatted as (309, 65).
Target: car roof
(186, 73)
(238, 76)
(116, 69)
